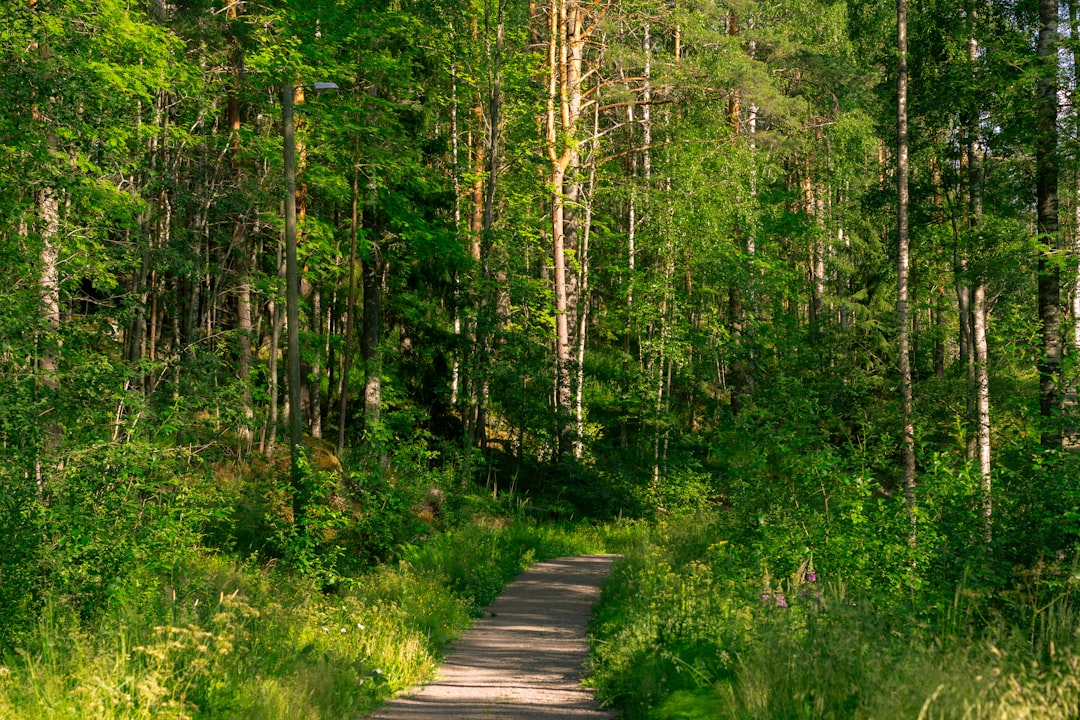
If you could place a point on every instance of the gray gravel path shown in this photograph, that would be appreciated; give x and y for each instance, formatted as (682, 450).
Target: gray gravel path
(522, 660)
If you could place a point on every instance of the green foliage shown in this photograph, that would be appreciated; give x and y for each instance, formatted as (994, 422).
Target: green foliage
(114, 513)
(739, 357)
(225, 641)
(20, 580)
(691, 627)
(210, 637)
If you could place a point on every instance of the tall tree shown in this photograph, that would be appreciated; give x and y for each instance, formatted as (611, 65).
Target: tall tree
(1046, 209)
(570, 25)
(981, 355)
(1074, 29)
(907, 411)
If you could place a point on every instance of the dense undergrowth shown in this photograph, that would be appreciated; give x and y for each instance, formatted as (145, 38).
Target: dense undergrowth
(151, 602)
(769, 574)
(693, 625)
(230, 640)
(799, 584)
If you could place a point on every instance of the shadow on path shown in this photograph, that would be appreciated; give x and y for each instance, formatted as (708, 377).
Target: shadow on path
(522, 660)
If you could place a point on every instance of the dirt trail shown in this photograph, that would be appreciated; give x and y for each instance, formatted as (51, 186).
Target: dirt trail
(523, 659)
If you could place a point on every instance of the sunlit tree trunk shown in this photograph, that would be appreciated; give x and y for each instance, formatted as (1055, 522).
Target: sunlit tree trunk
(244, 317)
(742, 376)
(662, 362)
(963, 289)
(632, 223)
(982, 405)
(476, 143)
(907, 419)
(49, 288)
(734, 108)
(455, 156)
(565, 63)
(47, 200)
(562, 330)
(981, 387)
(812, 207)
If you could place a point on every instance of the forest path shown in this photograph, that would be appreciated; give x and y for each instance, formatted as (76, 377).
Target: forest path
(523, 660)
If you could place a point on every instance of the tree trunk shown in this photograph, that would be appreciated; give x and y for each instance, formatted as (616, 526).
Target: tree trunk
(474, 419)
(982, 406)
(371, 272)
(491, 301)
(1071, 392)
(967, 342)
(981, 386)
(244, 316)
(734, 109)
(292, 310)
(48, 345)
(939, 331)
(1046, 169)
(136, 335)
(350, 307)
(315, 380)
(812, 208)
(907, 419)
(244, 310)
(583, 316)
(49, 288)
(277, 319)
(562, 331)
(566, 43)
(455, 374)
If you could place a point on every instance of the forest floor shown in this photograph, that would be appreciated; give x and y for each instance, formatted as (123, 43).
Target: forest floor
(523, 660)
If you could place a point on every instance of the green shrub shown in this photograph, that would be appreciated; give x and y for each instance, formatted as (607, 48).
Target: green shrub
(114, 512)
(694, 626)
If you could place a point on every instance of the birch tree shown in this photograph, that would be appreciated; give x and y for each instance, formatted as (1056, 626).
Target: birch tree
(907, 418)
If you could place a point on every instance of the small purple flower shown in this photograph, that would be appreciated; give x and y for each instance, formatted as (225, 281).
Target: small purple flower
(765, 597)
(811, 576)
(781, 601)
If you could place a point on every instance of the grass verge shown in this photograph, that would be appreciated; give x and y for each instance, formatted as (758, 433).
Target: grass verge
(219, 639)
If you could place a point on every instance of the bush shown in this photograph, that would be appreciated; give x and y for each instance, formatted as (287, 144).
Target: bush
(111, 513)
(695, 626)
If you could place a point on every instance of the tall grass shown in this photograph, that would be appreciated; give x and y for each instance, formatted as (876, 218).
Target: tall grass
(690, 627)
(233, 641)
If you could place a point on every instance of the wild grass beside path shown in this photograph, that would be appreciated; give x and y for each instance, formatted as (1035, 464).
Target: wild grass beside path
(225, 640)
(690, 628)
